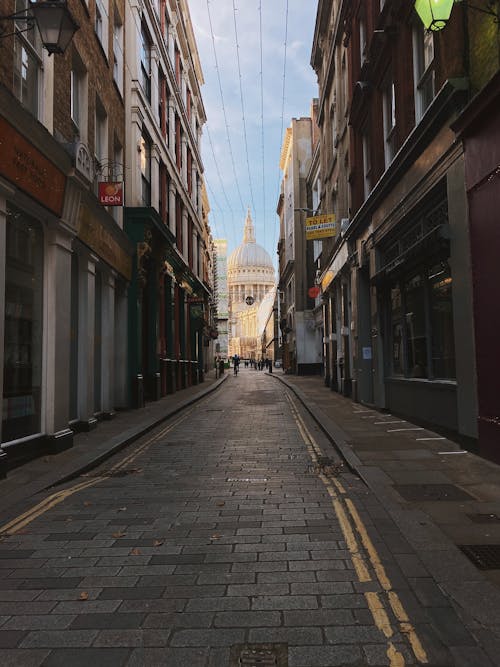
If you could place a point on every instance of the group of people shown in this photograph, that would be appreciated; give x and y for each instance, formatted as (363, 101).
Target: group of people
(257, 365)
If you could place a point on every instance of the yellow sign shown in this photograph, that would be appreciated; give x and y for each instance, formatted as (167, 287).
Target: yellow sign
(326, 280)
(320, 227)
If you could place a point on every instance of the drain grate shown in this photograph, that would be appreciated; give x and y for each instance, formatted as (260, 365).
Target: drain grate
(484, 556)
(484, 518)
(431, 492)
(258, 655)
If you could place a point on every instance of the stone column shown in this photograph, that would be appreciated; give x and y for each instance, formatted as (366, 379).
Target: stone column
(171, 126)
(108, 342)
(86, 334)
(171, 207)
(184, 159)
(58, 335)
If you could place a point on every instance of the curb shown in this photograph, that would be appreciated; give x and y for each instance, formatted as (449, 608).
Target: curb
(119, 442)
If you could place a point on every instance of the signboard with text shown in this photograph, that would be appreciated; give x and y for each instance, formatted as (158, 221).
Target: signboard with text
(111, 193)
(320, 227)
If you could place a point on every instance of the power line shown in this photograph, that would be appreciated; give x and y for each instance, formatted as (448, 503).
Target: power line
(282, 105)
(262, 122)
(243, 108)
(220, 177)
(223, 106)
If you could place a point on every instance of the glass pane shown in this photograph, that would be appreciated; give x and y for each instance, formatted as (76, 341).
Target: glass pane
(22, 375)
(416, 341)
(443, 342)
(397, 348)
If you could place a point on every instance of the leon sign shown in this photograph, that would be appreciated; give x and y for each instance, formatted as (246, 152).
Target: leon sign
(320, 227)
(111, 193)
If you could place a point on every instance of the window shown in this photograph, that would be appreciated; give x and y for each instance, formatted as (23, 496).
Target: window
(421, 324)
(423, 70)
(389, 110)
(163, 193)
(146, 62)
(362, 41)
(118, 51)
(22, 377)
(102, 23)
(27, 72)
(101, 134)
(162, 102)
(146, 169)
(367, 165)
(178, 151)
(78, 92)
(178, 66)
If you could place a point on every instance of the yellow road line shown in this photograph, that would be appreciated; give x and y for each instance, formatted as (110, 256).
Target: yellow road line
(21, 521)
(376, 607)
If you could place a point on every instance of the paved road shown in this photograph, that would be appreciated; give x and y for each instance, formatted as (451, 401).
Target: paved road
(231, 533)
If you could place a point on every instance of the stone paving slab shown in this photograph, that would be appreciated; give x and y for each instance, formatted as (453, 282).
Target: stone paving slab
(226, 534)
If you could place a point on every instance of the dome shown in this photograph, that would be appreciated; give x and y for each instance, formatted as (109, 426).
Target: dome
(249, 253)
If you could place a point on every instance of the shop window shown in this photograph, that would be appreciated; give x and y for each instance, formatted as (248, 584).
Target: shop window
(22, 377)
(421, 325)
(441, 316)
(416, 334)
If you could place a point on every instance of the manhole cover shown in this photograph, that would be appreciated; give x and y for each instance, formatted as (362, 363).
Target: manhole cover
(258, 655)
(484, 556)
(484, 518)
(431, 492)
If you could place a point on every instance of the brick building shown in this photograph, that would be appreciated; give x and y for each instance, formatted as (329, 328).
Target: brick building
(163, 214)
(65, 261)
(402, 333)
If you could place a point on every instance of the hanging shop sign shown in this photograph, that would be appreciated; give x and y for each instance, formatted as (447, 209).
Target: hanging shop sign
(320, 227)
(313, 292)
(111, 193)
(249, 300)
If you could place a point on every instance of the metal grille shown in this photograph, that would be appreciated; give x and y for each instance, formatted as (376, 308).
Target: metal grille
(259, 655)
(484, 556)
(432, 492)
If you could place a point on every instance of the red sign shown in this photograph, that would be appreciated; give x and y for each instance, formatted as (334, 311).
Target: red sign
(313, 292)
(111, 193)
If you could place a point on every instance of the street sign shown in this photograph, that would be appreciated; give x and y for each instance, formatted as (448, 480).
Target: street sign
(320, 227)
(249, 300)
(313, 292)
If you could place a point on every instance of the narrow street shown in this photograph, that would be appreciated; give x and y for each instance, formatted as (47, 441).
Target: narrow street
(233, 534)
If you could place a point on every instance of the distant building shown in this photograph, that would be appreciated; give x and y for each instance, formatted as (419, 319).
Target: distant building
(250, 277)
(302, 346)
(222, 315)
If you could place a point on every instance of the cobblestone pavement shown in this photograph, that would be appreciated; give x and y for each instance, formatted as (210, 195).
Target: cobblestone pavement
(232, 528)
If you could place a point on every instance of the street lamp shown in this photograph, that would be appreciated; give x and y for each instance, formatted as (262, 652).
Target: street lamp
(53, 19)
(435, 14)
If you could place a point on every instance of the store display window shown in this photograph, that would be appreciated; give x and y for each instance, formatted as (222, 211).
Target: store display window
(22, 377)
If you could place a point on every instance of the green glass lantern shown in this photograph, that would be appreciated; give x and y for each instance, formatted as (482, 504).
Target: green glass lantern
(434, 14)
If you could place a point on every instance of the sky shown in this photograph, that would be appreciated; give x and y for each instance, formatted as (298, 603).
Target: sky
(249, 105)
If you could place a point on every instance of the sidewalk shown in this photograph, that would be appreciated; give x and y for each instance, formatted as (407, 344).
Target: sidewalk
(440, 496)
(94, 447)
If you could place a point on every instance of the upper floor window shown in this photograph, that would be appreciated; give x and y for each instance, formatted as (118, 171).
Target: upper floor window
(362, 41)
(389, 110)
(27, 71)
(78, 97)
(146, 62)
(162, 102)
(102, 22)
(101, 133)
(145, 145)
(367, 164)
(178, 67)
(423, 69)
(118, 50)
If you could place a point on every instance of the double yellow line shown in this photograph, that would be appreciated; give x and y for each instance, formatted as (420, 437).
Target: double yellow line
(21, 521)
(350, 524)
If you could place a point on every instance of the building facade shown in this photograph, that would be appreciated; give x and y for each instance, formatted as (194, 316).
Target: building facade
(65, 261)
(164, 210)
(222, 299)
(302, 338)
(250, 276)
(396, 279)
